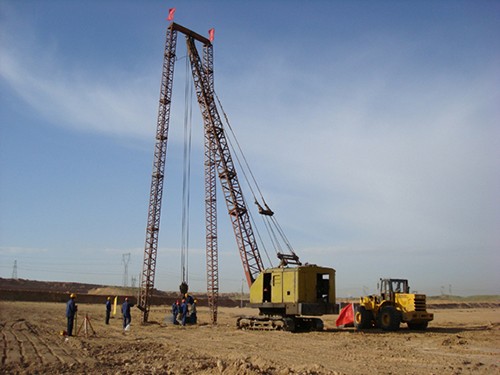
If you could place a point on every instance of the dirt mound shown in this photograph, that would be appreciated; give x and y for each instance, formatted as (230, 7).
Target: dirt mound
(47, 286)
(111, 291)
(54, 291)
(463, 305)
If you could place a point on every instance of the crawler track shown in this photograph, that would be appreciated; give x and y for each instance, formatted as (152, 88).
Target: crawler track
(273, 323)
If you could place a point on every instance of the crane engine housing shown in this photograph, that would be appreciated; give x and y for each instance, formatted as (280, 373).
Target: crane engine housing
(289, 297)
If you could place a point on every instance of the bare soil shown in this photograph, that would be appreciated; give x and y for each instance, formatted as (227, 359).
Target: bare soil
(458, 341)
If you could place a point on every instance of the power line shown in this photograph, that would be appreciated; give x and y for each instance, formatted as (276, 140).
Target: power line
(125, 261)
(14, 270)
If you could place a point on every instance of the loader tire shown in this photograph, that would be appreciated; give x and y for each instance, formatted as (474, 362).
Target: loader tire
(389, 319)
(362, 318)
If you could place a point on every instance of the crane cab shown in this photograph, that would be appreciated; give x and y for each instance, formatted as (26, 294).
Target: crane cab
(302, 290)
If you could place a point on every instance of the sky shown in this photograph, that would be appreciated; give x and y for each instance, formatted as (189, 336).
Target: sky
(373, 129)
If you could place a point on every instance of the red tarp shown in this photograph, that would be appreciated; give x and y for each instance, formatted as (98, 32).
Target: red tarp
(346, 316)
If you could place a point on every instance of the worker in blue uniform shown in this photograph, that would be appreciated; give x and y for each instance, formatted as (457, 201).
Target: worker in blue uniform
(193, 319)
(71, 309)
(175, 312)
(183, 311)
(189, 299)
(108, 309)
(127, 317)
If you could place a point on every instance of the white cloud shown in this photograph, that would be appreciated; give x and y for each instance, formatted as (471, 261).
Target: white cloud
(79, 100)
(384, 168)
(66, 92)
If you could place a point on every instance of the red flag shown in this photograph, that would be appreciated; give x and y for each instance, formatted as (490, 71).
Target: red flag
(171, 12)
(211, 33)
(346, 316)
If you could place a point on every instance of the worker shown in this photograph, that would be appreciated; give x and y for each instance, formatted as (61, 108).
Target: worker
(175, 312)
(192, 317)
(127, 318)
(183, 312)
(71, 309)
(108, 309)
(189, 299)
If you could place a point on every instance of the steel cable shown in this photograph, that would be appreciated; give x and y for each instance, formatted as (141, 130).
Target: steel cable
(186, 177)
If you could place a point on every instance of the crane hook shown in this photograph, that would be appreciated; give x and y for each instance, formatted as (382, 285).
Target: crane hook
(267, 211)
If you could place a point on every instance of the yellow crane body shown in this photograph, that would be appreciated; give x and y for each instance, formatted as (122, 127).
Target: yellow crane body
(293, 291)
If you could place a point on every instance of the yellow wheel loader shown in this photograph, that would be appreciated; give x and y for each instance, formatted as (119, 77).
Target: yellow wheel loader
(393, 306)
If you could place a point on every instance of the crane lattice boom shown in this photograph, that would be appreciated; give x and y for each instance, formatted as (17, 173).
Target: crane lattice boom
(217, 159)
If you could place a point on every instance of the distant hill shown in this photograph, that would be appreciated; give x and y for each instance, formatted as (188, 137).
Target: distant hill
(47, 286)
(445, 298)
(451, 302)
(56, 291)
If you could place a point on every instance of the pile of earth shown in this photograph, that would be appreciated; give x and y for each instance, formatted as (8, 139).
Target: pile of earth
(56, 291)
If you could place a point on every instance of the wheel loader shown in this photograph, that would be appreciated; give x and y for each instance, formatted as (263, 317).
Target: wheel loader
(392, 306)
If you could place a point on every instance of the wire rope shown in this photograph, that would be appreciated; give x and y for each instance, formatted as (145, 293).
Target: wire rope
(242, 169)
(282, 234)
(241, 151)
(257, 232)
(186, 177)
(270, 222)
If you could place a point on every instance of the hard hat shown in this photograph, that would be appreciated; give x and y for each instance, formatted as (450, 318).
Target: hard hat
(108, 298)
(72, 295)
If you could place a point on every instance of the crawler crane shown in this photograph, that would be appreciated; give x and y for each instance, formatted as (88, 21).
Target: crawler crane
(288, 296)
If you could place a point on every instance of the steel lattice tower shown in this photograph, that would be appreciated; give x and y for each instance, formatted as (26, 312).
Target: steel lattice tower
(211, 203)
(217, 160)
(14, 270)
(125, 261)
(157, 178)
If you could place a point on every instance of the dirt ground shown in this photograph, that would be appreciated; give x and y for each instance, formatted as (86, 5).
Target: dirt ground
(458, 341)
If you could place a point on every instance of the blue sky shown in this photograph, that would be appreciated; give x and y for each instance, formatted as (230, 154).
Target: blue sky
(372, 128)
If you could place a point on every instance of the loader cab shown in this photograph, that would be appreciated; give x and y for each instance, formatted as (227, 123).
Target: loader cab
(388, 287)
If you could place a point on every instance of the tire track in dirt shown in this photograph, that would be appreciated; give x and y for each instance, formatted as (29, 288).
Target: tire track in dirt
(43, 348)
(23, 345)
(4, 344)
(33, 350)
(26, 331)
(29, 354)
(65, 354)
(16, 355)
